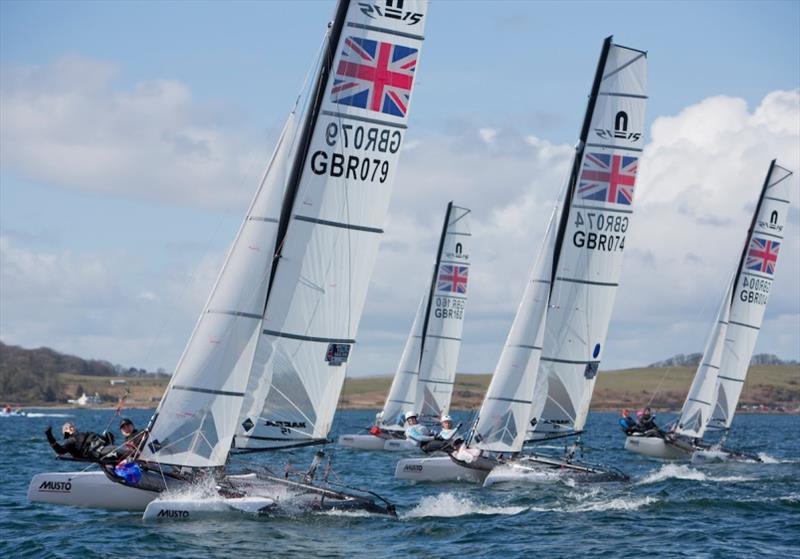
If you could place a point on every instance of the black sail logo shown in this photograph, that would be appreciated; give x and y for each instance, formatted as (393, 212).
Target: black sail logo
(390, 9)
(620, 131)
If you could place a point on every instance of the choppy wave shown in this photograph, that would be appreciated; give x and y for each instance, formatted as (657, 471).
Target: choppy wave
(619, 503)
(767, 459)
(682, 471)
(448, 505)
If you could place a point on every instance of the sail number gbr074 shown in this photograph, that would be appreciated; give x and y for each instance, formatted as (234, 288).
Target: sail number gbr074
(370, 165)
(600, 231)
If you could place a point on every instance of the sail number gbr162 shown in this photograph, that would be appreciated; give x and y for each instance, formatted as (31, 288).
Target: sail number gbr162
(370, 165)
(600, 231)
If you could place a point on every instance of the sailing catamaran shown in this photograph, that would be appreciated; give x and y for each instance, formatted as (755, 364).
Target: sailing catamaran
(544, 379)
(717, 385)
(426, 373)
(265, 364)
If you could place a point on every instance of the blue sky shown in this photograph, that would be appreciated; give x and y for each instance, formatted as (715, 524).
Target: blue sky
(114, 261)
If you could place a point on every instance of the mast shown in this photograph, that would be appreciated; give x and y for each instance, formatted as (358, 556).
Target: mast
(301, 153)
(752, 227)
(578, 158)
(434, 276)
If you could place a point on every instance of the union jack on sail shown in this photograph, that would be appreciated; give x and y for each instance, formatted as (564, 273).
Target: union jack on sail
(453, 278)
(608, 178)
(762, 255)
(374, 75)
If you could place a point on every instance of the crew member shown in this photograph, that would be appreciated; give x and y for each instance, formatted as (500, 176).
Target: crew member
(442, 438)
(81, 445)
(415, 431)
(447, 431)
(627, 423)
(133, 437)
(647, 423)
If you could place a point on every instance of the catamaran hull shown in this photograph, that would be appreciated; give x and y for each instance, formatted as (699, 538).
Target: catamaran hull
(87, 489)
(437, 469)
(362, 442)
(400, 445)
(541, 469)
(167, 509)
(656, 447)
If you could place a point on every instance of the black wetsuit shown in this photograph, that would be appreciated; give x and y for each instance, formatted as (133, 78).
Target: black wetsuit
(647, 425)
(81, 445)
(132, 442)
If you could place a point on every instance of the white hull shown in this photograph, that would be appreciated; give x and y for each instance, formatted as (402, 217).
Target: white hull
(436, 468)
(656, 447)
(519, 473)
(193, 509)
(400, 445)
(87, 489)
(362, 442)
(539, 469)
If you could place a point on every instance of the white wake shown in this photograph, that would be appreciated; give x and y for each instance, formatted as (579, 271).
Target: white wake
(449, 505)
(682, 471)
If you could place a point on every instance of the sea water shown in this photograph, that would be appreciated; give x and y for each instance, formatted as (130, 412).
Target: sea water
(667, 510)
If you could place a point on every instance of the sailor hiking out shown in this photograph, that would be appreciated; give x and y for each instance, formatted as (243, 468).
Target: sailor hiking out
(83, 445)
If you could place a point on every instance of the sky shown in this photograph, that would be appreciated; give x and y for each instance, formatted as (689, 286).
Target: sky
(133, 134)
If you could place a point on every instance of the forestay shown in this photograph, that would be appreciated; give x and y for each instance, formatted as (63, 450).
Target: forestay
(751, 288)
(425, 377)
(334, 224)
(591, 239)
(696, 411)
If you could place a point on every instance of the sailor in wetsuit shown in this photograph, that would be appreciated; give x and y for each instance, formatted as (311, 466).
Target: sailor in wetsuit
(627, 423)
(82, 445)
(133, 437)
(647, 424)
(443, 437)
(415, 431)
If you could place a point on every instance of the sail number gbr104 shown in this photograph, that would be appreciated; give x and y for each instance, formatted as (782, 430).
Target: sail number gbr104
(600, 231)
(371, 165)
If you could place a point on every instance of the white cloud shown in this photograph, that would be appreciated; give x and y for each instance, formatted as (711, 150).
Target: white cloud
(91, 304)
(66, 125)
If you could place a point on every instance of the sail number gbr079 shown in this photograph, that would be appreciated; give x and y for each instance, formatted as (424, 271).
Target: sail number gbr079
(373, 143)
(600, 231)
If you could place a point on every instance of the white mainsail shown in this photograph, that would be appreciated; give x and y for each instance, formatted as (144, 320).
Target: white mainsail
(441, 334)
(268, 357)
(591, 240)
(751, 288)
(696, 411)
(426, 374)
(334, 227)
(547, 370)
